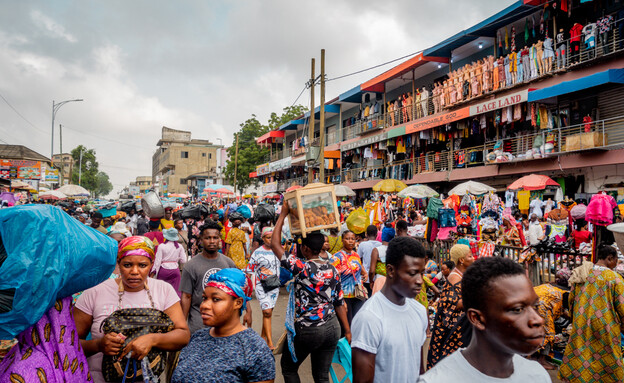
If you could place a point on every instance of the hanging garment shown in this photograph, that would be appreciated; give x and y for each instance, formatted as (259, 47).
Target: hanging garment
(600, 209)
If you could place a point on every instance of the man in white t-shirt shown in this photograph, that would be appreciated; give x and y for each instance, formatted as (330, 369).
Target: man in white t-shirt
(502, 306)
(390, 329)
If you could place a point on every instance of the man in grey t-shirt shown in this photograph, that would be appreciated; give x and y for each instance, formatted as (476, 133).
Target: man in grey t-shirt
(197, 271)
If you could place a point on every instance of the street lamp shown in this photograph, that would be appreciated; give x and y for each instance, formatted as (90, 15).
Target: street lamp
(55, 108)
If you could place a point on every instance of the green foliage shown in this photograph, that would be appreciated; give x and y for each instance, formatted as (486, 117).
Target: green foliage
(90, 178)
(251, 154)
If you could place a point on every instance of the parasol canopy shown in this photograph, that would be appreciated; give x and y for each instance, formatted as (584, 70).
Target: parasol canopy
(52, 194)
(471, 187)
(16, 184)
(418, 191)
(533, 182)
(73, 190)
(343, 191)
(294, 187)
(224, 191)
(9, 197)
(178, 195)
(389, 186)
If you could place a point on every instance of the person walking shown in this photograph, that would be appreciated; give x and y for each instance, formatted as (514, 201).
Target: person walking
(594, 352)
(235, 240)
(365, 250)
(317, 306)
(265, 267)
(451, 328)
(500, 304)
(391, 328)
(170, 256)
(352, 275)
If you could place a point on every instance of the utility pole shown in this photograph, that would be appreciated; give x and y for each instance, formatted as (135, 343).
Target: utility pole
(80, 168)
(322, 120)
(235, 165)
(311, 125)
(62, 158)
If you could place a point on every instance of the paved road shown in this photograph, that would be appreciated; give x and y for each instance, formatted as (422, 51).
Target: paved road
(305, 372)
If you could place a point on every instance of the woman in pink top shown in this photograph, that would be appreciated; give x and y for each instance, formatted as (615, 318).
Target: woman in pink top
(169, 257)
(135, 259)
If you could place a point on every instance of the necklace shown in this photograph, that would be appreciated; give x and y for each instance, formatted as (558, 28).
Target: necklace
(457, 272)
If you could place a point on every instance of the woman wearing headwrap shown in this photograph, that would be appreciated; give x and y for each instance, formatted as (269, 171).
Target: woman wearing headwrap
(451, 329)
(133, 289)
(265, 266)
(377, 272)
(235, 242)
(510, 235)
(226, 351)
(553, 303)
(169, 257)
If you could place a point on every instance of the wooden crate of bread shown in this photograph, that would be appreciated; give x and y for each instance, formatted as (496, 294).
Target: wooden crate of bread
(312, 208)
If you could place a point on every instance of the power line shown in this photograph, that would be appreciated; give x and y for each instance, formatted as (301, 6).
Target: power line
(373, 67)
(306, 86)
(106, 138)
(19, 114)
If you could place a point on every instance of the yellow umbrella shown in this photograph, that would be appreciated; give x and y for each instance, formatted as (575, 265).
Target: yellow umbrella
(389, 186)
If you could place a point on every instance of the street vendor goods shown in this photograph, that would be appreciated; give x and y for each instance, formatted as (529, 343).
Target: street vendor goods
(312, 208)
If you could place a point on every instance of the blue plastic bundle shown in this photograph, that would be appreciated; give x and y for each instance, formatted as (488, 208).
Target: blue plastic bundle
(46, 255)
(245, 211)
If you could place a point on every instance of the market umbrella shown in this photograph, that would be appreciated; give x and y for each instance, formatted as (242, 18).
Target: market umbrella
(294, 187)
(389, 186)
(9, 197)
(533, 182)
(16, 184)
(73, 190)
(471, 187)
(418, 191)
(224, 191)
(219, 186)
(52, 194)
(343, 191)
(178, 195)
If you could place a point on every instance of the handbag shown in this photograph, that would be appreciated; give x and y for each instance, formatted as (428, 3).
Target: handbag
(281, 343)
(360, 292)
(133, 323)
(272, 282)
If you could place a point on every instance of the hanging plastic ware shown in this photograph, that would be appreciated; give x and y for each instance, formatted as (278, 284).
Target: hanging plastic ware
(49, 256)
(358, 221)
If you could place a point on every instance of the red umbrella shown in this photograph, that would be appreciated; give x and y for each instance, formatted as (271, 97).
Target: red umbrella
(533, 182)
(295, 187)
(224, 191)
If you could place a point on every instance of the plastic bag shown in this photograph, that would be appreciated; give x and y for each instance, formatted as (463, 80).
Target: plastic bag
(195, 212)
(358, 221)
(50, 256)
(245, 211)
(264, 213)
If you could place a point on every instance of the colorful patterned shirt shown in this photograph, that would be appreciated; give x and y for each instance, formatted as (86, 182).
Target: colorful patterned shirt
(349, 265)
(317, 290)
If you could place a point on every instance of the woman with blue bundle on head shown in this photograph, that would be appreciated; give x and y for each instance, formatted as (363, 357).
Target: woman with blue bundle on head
(377, 272)
(226, 351)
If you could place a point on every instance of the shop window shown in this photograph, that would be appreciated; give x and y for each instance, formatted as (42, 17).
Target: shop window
(184, 154)
(209, 156)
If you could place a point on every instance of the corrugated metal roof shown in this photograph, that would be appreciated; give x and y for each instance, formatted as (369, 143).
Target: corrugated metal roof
(20, 152)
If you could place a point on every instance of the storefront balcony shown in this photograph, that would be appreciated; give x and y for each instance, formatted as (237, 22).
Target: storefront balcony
(275, 156)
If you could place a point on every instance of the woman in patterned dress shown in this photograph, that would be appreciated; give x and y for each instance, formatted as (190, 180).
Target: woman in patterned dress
(451, 329)
(352, 274)
(235, 242)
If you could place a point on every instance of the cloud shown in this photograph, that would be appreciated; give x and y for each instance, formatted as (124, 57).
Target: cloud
(47, 24)
(197, 65)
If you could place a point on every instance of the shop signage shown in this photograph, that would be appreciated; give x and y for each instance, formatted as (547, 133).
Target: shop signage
(365, 141)
(499, 103)
(270, 187)
(262, 169)
(20, 169)
(278, 165)
(438, 120)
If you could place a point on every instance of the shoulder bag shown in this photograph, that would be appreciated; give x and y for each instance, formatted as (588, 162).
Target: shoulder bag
(133, 323)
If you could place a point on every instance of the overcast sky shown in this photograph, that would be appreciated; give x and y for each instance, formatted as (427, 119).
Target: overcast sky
(203, 66)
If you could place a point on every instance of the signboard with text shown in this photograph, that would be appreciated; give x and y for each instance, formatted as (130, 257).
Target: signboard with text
(20, 169)
(499, 103)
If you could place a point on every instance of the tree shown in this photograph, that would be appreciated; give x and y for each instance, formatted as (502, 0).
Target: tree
(250, 154)
(91, 178)
(104, 186)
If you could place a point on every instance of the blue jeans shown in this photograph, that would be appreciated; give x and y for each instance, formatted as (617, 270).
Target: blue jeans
(320, 343)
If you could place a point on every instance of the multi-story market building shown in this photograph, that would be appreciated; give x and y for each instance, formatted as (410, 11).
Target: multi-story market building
(536, 88)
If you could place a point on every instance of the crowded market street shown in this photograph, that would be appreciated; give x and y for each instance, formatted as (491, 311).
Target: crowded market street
(453, 214)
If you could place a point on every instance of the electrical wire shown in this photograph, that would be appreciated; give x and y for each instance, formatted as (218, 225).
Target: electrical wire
(19, 114)
(373, 67)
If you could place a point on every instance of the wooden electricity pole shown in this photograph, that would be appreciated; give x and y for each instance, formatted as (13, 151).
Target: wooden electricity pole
(311, 125)
(236, 165)
(62, 157)
(322, 118)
